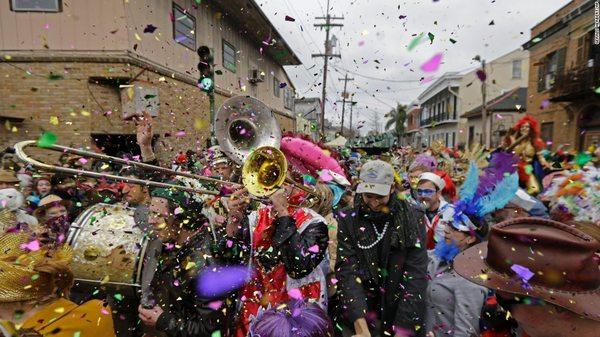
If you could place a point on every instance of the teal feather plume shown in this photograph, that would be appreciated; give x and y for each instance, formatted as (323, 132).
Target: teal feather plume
(469, 186)
(503, 192)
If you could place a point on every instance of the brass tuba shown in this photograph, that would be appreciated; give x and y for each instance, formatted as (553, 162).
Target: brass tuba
(249, 134)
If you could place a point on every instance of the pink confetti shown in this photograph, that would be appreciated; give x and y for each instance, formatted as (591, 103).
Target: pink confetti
(361, 43)
(61, 238)
(83, 161)
(334, 280)
(104, 311)
(229, 243)
(180, 134)
(47, 26)
(499, 116)
(427, 79)
(32, 246)
(432, 64)
(215, 305)
(314, 249)
(295, 294)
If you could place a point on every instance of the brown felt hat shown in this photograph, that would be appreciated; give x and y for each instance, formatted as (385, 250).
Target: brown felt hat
(7, 176)
(49, 201)
(562, 258)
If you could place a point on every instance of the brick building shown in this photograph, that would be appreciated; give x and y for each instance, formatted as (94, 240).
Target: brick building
(563, 74)
(73, 68)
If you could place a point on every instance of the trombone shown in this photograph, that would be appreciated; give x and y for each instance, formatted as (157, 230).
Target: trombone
(249, 135)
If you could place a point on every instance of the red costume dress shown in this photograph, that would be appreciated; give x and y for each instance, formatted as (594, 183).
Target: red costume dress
(287, 256)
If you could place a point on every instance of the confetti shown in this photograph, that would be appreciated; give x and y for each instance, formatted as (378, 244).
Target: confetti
(481, 75)
(47, 139)
(137, 37)
(53, 120)
(217, 281)
(314, 249)
(431, 37)
(545, 104)
(295, 294)
(85, 113)
(289, 18)
(150, 28)
(433, 63)
(415, 42)
(32, 246)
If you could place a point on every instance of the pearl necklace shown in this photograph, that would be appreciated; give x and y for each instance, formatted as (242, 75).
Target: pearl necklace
(379, 237)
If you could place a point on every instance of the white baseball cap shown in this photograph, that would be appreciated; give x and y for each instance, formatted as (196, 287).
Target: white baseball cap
(377, 177)
(434, 178)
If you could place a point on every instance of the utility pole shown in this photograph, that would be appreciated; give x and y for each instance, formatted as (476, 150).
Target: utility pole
(484, 116)
(345, 79)
(352, 102)
(325, 57)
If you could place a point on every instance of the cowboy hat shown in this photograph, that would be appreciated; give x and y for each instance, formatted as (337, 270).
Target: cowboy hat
(538, 258)
(49, 201)
(7, 176)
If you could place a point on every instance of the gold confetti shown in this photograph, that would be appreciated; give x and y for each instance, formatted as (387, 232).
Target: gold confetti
(53, 120)
(105, 279)
(59, 310)
(190, 265)
(161, 79)
(137, 37)
(130, 92)
(483, 276)
(85, 113)
(200, 124)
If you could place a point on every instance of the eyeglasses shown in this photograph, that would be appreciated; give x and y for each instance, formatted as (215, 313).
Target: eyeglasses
(425, 192)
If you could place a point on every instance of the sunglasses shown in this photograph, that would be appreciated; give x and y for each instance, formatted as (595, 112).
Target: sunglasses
(425, 192)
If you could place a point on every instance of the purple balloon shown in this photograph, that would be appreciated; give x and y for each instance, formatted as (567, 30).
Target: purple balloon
(218, 281)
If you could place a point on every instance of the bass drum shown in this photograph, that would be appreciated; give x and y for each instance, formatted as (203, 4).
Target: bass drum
(108, 247)
(108, 256)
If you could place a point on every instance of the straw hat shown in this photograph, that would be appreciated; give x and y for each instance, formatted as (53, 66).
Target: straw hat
(49, 201)
(19, 267)
(7, 176)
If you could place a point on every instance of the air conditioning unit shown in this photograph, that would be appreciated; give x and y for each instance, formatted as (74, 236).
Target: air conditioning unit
(256, 76)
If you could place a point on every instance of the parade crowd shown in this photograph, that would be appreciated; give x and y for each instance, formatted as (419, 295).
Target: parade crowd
(430, 241)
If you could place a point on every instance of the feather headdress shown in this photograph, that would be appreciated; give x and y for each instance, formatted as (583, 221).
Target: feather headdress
(485, 193)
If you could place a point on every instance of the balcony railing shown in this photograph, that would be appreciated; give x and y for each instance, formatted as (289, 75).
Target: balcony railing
(575, 83)
(445, 116)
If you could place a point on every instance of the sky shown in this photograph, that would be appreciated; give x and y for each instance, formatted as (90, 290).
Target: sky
(374, 39)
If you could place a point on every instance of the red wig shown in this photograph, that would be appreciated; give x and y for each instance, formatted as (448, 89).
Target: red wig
(450, 189)
(535, 132)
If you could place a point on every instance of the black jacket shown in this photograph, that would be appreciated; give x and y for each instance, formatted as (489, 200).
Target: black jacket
(290, 247)
(398, 282)
(185, 314)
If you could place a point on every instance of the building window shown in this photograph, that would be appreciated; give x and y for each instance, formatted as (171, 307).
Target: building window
(229, 56)
(36, 5)
(288, 99)
(516, 69)
(549, 67)
(184, 27)
(547, 131)
(276, 88)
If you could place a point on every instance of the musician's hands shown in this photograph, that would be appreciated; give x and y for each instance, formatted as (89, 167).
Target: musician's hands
(149, 316)
(238, 204)
(279, 199)
(144, 132)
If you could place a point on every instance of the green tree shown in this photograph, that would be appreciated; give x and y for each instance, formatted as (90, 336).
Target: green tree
(396, 119)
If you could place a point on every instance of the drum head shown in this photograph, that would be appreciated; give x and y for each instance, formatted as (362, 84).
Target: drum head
(108, 247)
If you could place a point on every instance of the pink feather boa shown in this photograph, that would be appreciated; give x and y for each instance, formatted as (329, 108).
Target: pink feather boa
(307, 157)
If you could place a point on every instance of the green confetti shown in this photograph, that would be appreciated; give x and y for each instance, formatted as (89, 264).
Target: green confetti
(55, 77)
(216, 334)
(597, 90)
(452, 40)
(47, 139)
(96, 292)
(118, 297)
(536, 40)
(35, 277)
(431, 37)
(415, 42)
(149, 96)
(528, 169)
(77, 334)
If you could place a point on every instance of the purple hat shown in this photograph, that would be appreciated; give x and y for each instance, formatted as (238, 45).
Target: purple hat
(424, 160)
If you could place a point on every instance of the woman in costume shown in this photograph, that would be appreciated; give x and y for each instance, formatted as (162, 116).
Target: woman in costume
(285, 244)
(34, 283)
(524, 139)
